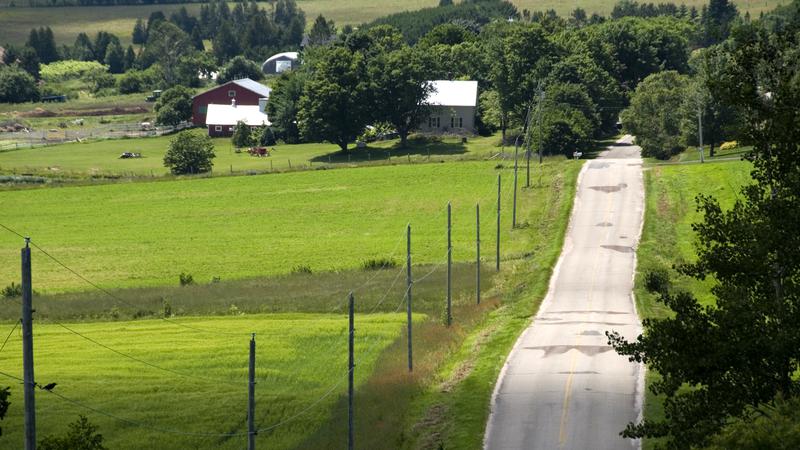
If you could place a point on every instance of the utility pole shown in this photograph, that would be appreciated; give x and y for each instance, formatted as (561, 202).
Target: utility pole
(408, 295)
(251, 397)
(497, 257)
(700, 131)
(478, 252)
(539, 120)
(29, 384)
(514, 210)
(449, 268)
(527, 143)
(351, 367)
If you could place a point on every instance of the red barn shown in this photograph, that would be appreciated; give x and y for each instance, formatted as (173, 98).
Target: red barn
(244, 91)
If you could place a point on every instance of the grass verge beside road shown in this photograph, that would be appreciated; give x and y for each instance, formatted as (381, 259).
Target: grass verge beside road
(668, 238)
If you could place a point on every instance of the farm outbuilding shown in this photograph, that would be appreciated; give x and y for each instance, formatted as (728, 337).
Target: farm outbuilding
(453, 107)
(222, 119)
(280, 63)
(245, 91)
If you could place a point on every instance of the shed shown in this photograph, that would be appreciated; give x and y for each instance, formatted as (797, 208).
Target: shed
(280, 63)
(245, 91)
(453, 106)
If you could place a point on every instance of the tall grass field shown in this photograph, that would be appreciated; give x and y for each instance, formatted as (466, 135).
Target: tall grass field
(300, 359)
(67, 22)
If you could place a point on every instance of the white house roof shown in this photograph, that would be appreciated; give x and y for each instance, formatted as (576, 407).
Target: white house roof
(254, 86)
(231, 115)
(290, 55)
(453, 93)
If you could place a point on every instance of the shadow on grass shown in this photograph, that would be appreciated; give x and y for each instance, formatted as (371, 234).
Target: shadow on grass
(414, 148)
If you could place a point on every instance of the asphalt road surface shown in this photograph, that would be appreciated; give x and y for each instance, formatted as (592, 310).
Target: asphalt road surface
(563, 386)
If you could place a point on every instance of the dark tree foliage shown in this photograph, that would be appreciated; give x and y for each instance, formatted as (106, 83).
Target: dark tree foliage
(741, 354)
(415, 24)
(174, 106)
(4, 403)
(283, 105)
(17, 85)
(101, 43)
(82, 435)
(226, 43)
(322, 32)
(189, 153)
(115, 58)
(139, 32)
(239, 67)
(632, 8)
(716, 21)
(83, 49)
(447, 34)
(43, 42)
(25, 57)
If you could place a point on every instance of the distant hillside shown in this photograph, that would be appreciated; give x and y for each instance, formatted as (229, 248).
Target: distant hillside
(67, 22)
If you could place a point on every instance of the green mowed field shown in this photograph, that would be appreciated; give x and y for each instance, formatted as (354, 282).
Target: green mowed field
(146, 233)
(299, 359)
(101, 157)
(668, 238)
(67, 22)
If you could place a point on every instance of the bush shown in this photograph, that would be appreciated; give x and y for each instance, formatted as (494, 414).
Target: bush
(82, 435)
(12, 290)
(189, 153)
(174, 106)
(239, 67)
(657, 280)
(378, 264)
(71, 69)
(266, 136)
(301, 269)
(186, 279)
(242, 135)
(17, 86)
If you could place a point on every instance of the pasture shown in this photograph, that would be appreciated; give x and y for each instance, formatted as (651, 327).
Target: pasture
(99, 158)
(146, 233)
(66, 22)
(299, 358)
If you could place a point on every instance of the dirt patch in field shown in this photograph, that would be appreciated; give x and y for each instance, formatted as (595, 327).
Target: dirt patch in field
(37, 112)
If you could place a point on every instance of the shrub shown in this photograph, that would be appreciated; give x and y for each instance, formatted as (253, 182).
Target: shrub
(71, 69)
(234, 310)
(12, 290)
(166, 306)
(378, 264)
(730, 145)
(186, 279)
(657, 280)
(174, 106)
(301, 269)
(17, 86)
(189, 153)
(82, 435)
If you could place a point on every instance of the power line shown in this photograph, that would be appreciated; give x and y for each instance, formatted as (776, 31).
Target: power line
(9, 335)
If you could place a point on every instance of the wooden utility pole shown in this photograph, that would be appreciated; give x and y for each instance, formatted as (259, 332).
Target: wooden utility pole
(251, 397)
(449, 268)
(514, 210)
(351, 367)
(408, 295)
(29, 383)
(478, 252)
(700, 131)
(497, 257)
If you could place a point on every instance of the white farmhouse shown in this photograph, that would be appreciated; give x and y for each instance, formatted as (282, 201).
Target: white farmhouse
(453, 107)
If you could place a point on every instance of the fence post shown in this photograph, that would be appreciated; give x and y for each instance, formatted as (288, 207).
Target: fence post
(478, 251)
(408, 296)
(351, 367)
(251, 397)
(514, 210)
(497, 257)
(449, 267)
(29, 382)
(290, 163)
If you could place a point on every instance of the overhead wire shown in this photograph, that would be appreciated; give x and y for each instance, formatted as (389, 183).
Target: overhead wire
(9, 335)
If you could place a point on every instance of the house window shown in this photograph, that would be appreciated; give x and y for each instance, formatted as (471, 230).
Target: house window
(203, 109)
(217, 127)
(231, 93)
(452, 122)
(434, 122)
(460, 122)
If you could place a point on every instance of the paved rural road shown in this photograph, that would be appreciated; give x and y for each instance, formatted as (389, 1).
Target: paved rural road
(563, 386)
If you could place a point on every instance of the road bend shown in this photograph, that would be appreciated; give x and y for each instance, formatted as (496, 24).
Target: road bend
(563, 386)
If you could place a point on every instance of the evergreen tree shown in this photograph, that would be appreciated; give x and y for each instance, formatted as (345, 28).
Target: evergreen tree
(322, 31)
(139, 33)
(83, 49)
(226, 44)
(242, 137)
(129, 60)
(115, 58)
(197, 39)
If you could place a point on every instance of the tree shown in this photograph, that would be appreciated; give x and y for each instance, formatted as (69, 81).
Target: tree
(102, 41)
(115, 58)
(129, 59)
(226, 44)
(43, 42)
(447, 34)
(322, 31)
(284, 104)
(400, 80)
(717, 20)
(737, 356)
(4, 403)
(189, 153)
(266, 136)
(166, 44)
(242, 135)
(336, 103)
(174, 106)
(238, 68)
(139, 33)
(26, 58)
(82, 435)
(17, 86)
(83, 49)
(654, 115)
